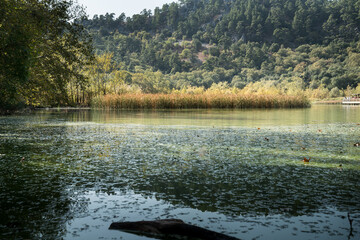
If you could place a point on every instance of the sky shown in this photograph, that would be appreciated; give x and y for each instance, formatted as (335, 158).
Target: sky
(129, 7)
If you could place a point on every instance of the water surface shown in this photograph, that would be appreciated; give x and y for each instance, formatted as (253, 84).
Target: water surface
(239, 172)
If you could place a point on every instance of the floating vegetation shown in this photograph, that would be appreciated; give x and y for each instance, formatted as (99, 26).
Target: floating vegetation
(196, 101)
(252, 172)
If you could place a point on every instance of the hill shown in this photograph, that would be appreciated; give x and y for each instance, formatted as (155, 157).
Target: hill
(289, 44)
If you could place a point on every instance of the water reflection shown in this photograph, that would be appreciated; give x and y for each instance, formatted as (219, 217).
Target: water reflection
(104, 209)
(34, 202)
(317, 114)
(231, 171)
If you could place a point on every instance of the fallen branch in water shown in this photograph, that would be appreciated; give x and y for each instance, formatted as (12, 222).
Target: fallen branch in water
(169, 227)
(351, 227)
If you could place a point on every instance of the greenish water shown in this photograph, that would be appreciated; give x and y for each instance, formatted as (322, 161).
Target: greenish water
(237, 172)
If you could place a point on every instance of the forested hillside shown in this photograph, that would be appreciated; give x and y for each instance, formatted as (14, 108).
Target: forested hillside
(51, 54)
(293, 45)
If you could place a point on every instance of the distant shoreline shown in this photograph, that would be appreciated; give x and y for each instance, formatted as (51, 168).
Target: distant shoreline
(327, 102)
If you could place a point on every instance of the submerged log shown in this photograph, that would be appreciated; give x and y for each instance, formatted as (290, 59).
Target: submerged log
(170, 227)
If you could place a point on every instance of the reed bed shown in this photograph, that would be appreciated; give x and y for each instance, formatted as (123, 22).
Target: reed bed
(197, 101)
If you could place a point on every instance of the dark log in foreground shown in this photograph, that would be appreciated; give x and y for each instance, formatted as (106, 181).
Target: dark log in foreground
(170, 227)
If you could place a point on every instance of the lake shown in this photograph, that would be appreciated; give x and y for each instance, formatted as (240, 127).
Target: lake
(239, 172)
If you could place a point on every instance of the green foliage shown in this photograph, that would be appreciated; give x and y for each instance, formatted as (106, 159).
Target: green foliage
(314, 42)
(293, 45)
(15, 52)
(43, 48)
(223, 21)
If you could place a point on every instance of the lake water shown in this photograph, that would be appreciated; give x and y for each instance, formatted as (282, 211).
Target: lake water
(239, 172)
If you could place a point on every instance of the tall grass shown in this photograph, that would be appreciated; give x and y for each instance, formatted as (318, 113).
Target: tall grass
(193, 101)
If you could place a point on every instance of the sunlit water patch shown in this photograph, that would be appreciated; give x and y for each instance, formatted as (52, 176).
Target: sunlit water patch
(249, 181)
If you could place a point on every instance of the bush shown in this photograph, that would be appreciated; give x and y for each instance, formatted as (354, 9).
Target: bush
(335, 92)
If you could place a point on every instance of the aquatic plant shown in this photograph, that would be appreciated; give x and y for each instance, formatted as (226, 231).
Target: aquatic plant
(212, 167)
(206, 100)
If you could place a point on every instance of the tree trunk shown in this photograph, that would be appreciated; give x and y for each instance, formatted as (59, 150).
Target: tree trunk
(170, 227)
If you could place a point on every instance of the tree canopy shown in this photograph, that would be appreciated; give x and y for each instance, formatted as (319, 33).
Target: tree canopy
(303, 43)
(42, 49)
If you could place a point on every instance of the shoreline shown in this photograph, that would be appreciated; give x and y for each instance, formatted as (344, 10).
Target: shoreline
(332, 102)
(31, 109)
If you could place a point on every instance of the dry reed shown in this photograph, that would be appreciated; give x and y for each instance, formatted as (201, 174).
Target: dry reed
(194, 101)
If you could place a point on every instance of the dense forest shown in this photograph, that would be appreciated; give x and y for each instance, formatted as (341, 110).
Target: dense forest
(292, 45)
(309, 47)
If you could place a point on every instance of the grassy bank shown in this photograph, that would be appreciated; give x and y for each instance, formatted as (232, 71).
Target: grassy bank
(327, 101)
(188, 101)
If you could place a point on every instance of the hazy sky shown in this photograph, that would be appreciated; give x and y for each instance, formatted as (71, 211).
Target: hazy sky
(129, 7)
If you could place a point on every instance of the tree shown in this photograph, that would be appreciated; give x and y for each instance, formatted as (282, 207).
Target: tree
(196, 44)
(99, 73)
(43, 48)
(15, 57)
(175, 63)
(350, 15)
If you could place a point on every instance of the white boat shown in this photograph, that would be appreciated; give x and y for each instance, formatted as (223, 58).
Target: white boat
(353, 100)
